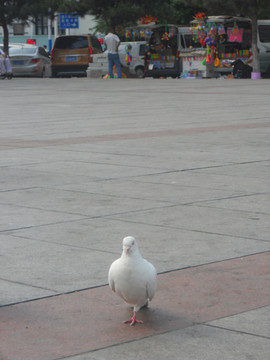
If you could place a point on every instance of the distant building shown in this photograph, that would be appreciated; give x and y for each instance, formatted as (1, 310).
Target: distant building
(37, 30)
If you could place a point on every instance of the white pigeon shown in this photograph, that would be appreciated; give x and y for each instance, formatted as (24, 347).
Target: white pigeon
(133, 278)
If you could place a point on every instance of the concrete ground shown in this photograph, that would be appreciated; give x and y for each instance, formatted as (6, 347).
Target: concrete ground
(183, 166)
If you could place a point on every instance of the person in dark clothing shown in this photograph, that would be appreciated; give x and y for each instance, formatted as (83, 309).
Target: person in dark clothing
(242, 69)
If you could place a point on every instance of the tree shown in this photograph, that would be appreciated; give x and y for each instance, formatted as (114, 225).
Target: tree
(124, 13)
(254, 9)
(11, 10)
(48, 7)
(184, 12)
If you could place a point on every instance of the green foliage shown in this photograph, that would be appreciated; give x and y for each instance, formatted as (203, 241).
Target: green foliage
(123, 13)
(247, 8)
(48, 7)
(11, 10)
(184, 11)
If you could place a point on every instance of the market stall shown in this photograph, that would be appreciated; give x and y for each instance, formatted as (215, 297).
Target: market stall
(193, 65)
(223, 40)
(161, 51)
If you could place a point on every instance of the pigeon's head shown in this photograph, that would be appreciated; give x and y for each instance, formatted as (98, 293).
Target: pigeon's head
(129, 245)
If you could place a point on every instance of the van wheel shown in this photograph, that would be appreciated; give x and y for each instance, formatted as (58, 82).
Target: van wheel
(139, 72)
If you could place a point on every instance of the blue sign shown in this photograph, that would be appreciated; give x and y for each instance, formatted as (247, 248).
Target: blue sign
(68, 21)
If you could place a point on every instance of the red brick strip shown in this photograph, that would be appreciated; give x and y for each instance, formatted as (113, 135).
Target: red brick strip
(127, 136)
(79, 322)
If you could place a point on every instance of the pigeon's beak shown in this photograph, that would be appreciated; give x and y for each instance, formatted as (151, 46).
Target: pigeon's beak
(126, 249)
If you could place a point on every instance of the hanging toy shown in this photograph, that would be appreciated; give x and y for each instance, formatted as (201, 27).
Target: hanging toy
(235, 34)
(128, 55)
(128, 35)
(147, 35)
(209, 59)
(221, 30)
(209, 41)
(135, 35)
(165, 36)
(222, 38)
(212, 53)
(200, 16)
(217, 61)
(202, 42)
(128, 59)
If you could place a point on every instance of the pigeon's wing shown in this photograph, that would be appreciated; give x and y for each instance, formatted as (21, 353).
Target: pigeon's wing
(111, 278)
(152, 282)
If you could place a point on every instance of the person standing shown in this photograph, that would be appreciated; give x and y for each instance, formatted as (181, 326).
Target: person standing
(46, 49)
(5, 66)
(112, 42)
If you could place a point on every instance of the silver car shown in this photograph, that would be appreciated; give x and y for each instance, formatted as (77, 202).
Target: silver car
(29, 60)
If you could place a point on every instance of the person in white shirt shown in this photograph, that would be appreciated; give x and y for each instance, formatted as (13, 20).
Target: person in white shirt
(112, 42)
(5, 66)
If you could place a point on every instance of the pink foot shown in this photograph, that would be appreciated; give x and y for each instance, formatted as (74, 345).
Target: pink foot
(133, 320)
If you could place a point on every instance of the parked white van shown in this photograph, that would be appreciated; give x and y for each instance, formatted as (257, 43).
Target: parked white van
(185, 41)
(135, 67)
(264, 45)
(136, 49)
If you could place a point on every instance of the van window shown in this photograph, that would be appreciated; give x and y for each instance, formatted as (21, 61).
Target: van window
(187, 41)
(142, 50)
(183, 45)
(71, 42)
(95, 43)
(264, 33)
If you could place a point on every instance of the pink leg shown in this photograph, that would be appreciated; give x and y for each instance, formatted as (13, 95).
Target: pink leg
(133, 320)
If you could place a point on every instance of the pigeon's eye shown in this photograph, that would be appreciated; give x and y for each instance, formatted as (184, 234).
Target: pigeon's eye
(133, 243)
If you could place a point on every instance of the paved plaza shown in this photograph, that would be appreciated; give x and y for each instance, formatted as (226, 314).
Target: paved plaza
(181, 165)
